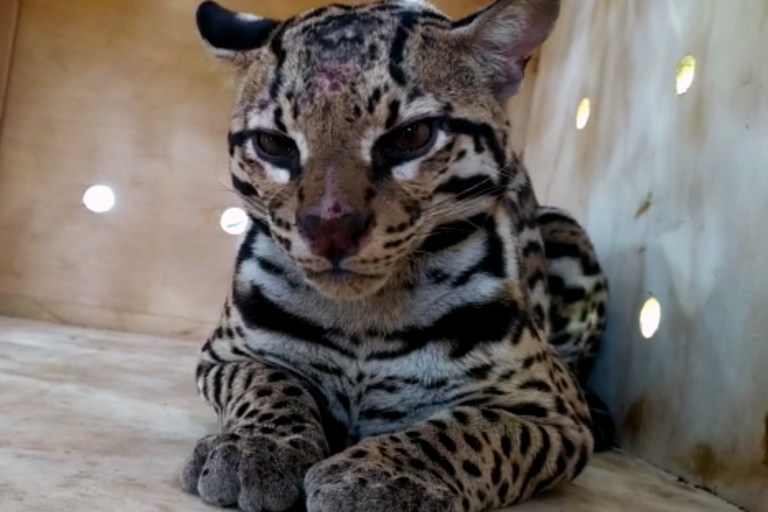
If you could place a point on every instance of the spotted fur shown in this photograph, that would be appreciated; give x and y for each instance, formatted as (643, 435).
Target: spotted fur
(410, 371)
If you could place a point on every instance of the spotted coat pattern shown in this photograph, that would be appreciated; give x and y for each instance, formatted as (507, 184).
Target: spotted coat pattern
(441, 367)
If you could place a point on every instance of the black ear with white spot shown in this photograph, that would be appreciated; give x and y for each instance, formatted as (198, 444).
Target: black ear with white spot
(230, 36)
(502, 37)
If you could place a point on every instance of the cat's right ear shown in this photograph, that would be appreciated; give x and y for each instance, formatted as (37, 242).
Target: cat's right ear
(232, 37)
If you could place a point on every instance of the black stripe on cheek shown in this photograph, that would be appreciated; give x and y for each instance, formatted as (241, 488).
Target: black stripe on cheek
(471, 187)
(482, 131)
(450, 234)
(493, 260)
(243, 187)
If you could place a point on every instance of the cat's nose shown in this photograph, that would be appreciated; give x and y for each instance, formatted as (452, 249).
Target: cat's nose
(338, 236)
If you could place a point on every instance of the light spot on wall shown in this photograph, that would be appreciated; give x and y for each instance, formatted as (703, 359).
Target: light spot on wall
(582, 113)
(686, 69)
(99, 198)
(650, 317)
(234, 221)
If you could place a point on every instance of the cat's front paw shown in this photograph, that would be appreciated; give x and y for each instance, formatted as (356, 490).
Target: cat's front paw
(348, 482)
(255, 472)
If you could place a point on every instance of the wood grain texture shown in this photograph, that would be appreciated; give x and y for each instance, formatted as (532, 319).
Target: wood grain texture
(673, 189)
(122, 93)
(9, 11)
(127, 415)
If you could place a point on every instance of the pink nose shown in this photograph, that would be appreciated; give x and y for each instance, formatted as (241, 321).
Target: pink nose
(338, 236)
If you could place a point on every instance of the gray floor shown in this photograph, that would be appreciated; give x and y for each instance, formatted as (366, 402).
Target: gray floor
(100, 421)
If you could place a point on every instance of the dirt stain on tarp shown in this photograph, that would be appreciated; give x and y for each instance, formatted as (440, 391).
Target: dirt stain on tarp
(635, 417)
(765, 441)
(705, 463)
(711, 465)
(645, 205)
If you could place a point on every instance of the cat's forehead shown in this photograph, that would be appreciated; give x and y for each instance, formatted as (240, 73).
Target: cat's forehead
(351, 49)
(355, 38)
(340, 46)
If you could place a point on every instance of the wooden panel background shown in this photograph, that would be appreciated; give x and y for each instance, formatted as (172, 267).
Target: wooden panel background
(120, 92)
(9, 10)
(673, 189)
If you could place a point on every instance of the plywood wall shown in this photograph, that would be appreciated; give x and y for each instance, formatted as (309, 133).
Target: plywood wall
(9, 10)
(121, 92)
(674, 190)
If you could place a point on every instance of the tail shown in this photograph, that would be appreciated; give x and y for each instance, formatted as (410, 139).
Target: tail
(603, 427)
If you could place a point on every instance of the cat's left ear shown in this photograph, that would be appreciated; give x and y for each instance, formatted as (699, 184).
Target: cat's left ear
(502, 37)
(232, 37)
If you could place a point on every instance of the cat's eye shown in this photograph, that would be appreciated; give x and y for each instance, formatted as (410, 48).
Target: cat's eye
(405, 143)
(273, 146)
(410, 140)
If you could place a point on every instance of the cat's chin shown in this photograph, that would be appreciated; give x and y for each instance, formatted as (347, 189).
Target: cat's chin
(346, 285)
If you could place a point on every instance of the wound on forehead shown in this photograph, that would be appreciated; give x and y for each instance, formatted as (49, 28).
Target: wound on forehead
(339, 48)
(333, 78)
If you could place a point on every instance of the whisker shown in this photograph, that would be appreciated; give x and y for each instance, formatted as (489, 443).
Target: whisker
(459, 197)
(462, 206)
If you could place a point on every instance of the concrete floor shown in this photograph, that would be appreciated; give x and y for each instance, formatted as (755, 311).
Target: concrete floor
(101, 421)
